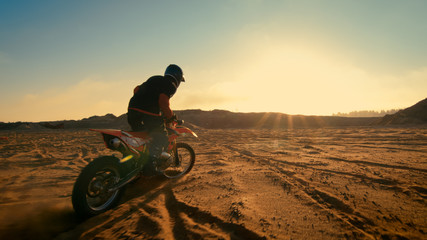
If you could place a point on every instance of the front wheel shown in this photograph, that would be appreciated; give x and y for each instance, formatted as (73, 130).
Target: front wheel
(91, 192)
(183, 161)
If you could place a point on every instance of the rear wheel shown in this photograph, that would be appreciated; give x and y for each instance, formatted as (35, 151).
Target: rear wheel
(183, 161)
(91, 195)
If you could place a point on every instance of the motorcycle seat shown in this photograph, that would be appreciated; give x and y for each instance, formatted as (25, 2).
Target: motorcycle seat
(142, 134)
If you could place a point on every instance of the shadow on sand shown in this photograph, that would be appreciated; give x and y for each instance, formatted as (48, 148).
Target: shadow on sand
(46, 220)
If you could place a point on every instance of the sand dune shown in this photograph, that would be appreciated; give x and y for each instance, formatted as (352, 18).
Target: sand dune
(326, 183)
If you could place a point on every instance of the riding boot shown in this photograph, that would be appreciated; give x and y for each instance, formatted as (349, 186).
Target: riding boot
(150, 169)
(154, 161)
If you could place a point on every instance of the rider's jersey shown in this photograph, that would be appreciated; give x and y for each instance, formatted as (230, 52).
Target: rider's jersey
(152, 97)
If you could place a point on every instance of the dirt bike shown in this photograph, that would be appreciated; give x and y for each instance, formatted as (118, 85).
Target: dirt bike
(102, 182)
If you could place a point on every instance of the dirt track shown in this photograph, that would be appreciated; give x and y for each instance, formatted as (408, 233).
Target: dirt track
(357, 183)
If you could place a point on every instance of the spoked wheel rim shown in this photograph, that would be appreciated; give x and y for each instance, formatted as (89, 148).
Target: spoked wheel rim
(182, 162)
(98, 197)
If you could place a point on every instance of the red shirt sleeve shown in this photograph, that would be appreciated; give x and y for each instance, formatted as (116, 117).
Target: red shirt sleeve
(165, 106)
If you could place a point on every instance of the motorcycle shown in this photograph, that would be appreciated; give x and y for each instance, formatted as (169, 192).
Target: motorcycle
(102, 182)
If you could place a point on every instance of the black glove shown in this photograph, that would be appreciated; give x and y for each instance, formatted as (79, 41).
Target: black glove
(171, 119)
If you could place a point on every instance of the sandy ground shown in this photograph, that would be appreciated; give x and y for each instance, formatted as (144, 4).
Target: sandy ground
(349, 183)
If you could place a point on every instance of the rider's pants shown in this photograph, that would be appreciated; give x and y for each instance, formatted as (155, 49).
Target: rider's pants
(155, 126)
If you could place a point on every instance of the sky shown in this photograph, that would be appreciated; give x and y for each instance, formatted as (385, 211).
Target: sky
(62, 60)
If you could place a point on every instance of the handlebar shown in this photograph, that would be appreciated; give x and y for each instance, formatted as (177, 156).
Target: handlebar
(174, 122)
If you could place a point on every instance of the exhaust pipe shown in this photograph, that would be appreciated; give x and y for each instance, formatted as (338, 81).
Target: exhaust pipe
(114, 143)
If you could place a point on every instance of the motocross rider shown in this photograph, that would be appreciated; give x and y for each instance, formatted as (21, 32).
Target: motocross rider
(149, 108)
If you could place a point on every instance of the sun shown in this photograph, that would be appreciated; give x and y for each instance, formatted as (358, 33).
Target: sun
(295, 80)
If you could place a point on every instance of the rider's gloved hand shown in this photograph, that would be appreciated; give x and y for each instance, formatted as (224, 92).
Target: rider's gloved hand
(171, 119)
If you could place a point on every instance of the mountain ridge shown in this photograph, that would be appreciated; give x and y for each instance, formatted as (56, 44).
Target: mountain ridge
(214, 119)
(223, 119)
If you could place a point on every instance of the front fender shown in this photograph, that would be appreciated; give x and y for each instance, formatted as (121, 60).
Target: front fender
(183, 131)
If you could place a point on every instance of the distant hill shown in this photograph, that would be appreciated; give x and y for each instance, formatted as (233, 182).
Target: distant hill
(216, 119)
(416, 114)
(221, 119)
(366, 113)
(107, 121)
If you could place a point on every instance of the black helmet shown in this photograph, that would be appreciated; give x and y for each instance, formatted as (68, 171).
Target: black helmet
(176, 72)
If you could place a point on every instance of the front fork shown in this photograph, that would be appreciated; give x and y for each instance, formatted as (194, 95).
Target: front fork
(173, 151)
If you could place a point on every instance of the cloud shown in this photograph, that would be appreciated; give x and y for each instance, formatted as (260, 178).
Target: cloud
(86, 98)
(208, 99)
(278, 78)
(299, 79)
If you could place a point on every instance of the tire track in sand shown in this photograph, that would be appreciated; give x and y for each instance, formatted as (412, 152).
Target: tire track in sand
(320, 198)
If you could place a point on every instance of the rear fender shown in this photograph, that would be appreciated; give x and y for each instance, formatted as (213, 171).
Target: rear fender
(112, 132)
(134, 144)
(107, 135)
